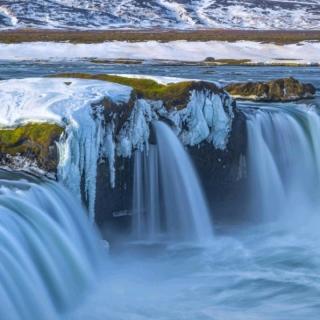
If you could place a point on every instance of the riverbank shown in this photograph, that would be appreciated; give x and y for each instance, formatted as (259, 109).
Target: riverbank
(176, 52)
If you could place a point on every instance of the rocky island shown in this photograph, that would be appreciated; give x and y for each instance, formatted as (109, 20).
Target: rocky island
(284, 90)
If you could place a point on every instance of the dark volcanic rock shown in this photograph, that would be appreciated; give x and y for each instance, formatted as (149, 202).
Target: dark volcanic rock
(202, 114)
(223, 173)
(288, 89)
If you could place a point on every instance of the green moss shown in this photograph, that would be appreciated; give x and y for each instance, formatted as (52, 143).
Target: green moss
(235, 62)
(174, 95)
(33, 141)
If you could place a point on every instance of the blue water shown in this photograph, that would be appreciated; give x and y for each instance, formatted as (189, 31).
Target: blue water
(221, 74)
(266, 271)
(21, 69)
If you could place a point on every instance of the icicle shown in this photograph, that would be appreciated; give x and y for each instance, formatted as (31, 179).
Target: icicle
(206, 119)
(135, 133)
(79, 154)
(109, 151)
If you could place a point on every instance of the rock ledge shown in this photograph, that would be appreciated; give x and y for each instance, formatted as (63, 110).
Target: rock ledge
(280, 90)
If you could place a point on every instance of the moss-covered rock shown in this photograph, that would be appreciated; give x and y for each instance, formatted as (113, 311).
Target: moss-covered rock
(174, 95)
(35, 142)
(288, 89)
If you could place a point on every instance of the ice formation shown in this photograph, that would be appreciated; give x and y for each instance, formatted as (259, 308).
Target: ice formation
(206, 118)
(89, 136)
(135, 132)
(74, 104)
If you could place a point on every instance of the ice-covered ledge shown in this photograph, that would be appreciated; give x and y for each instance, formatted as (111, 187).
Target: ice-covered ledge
(71, 104)
(89, 120)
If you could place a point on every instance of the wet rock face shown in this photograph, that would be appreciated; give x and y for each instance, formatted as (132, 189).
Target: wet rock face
(202, 115)
(222, 173)
(205, 119)
(280, 90)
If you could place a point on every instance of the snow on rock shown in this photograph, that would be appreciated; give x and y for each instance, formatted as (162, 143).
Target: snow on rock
(54, 100)
(91, 136)
(74, 104)
(175, 14)
(7, 18)
(159, 79)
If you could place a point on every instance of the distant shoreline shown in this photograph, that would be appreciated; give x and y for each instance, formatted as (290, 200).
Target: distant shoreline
(174, 52)
(130, 35)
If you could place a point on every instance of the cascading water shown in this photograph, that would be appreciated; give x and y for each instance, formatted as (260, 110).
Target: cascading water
(50, 254)
(283, 160)
(168, 202)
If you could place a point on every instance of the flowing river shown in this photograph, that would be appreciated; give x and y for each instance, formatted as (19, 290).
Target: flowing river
(266, 269)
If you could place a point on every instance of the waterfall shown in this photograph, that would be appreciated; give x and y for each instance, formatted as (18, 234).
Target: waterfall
(283, 160)
(168, 203)
(50, 254)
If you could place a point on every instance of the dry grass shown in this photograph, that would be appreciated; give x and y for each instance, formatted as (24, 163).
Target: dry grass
(279, 37)
(174, 95)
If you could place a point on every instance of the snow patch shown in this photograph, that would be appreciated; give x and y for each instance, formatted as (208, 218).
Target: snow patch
(175, 14)
(304, 52)
(9, 18)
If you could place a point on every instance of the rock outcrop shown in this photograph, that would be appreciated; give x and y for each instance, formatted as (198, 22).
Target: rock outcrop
(31, 145)
(280, 90)
(97, 151)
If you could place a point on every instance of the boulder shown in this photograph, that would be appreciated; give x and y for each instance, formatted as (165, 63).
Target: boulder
(283, 90)
(30, 146)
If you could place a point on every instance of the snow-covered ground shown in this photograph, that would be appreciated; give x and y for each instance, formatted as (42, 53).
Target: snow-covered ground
(102, 14)
(304, 52)
(53, 100)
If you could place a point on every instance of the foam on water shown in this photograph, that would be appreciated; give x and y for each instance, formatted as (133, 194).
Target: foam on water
(262, 272)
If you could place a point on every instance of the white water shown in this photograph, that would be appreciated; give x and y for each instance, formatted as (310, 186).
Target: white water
(283, 161)
(168, 202)
(269, 271)
(255, 273)
(50, 255)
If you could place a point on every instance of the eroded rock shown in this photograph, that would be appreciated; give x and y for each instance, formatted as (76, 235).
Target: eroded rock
(100, 148)
(283, 90)
(31, 145)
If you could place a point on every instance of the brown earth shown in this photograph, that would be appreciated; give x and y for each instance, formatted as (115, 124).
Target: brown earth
(92, 36)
